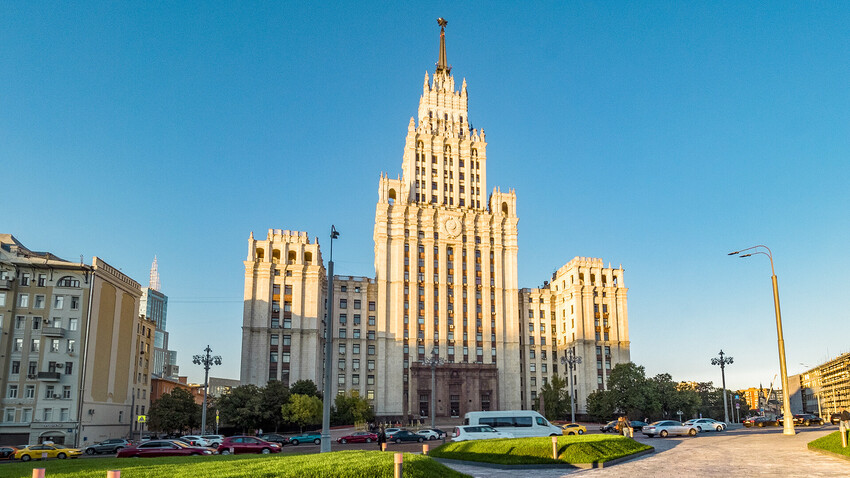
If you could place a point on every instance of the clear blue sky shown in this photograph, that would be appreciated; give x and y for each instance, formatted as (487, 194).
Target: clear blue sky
(656, 135)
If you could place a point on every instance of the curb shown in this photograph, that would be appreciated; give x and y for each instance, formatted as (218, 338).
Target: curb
(568, 466)
(829, 453)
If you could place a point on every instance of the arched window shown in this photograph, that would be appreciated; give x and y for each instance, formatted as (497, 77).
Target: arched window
(308, 258)
(474, 153)
(276, 256)
(505, 208)
(68, 281)
(261, 253)
(391, 197)
(290, 258)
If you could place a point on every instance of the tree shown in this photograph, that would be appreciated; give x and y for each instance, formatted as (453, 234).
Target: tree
(351, 408)
(633, 394)
(175, 411)
(305, 387)
(674, 398)
(273, 396)
(302, 410)
(556, 398)
(600, 405)
(242, 407)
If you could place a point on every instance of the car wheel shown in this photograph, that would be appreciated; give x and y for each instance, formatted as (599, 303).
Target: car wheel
(26, 458)
(432, 437)
(225, 452)
(719, 428)
(89, 451)
(317, 441)
(581, 432)
(61, 456)
(663, 434)
(368, 440)
(699, 428)
(692, 432)
(398, 440)
(420, 440)
(571, 433)
(294, 442)
(265, 451)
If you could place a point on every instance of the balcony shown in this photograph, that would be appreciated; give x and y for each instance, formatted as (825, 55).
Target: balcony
(51, 376)
(53, 331)
(5, 284)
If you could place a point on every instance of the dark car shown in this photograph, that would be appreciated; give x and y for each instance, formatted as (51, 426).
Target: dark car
(760, 422)
(155, 448)
(638, 425)
(609, 427)
(7, 452)
(804, 419)
(358, 437)
(835, 418)
(405, 435)
(274, 438)
(107, 446)
(247, 444)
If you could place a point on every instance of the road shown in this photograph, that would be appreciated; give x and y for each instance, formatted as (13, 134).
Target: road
(741, 452)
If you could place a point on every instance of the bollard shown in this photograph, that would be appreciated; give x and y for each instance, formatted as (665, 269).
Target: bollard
(397, 465)
(631, 432)
(425, 449)
(554, 448)
(113, 474)
(383, 447)
(44, 455)
(38, 473)
(843, 430)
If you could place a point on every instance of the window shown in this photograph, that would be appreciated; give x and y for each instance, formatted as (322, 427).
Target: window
(356, 303)
(48, 391)
(356, 333)
(36, 323)
(341, 380)
(54, 345)
(23, 300)
(13, 391)
(25, 279)
(16, 367)
(355, 379)
(370, 365)
(343, 303)
(10, 415)
(341, 364)
(370, 394)
(64, 415)
(342, 349)
(285, 357)
(287, 340)
(20, 321)
(27, 415)
(371, 320)
(33, 368)
(371, 306)
(371, 350)
(58, 301)
(34, 346)
(66, 391)
(370, 380)
(72, 324)
(68, 281)
(69, 368)
(343, 318)
(47, 414)
(274, 339)
(355, 349)
(356, 319)
(272, 357)
(370, 335)
(38, 303)
(29, 391)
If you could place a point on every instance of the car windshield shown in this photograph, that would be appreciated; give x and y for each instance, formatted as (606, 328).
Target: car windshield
(488, 429)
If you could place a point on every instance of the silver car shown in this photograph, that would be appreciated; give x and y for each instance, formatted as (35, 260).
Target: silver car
(663, 428)
(706, 424)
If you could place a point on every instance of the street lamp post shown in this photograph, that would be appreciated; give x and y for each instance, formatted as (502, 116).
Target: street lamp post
(571, 360)
(326, 399)
(723, 361)
(788, 421)
(207, 361)
(433, 362)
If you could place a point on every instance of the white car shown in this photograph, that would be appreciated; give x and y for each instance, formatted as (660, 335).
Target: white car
(429, 434)
(389, 432)
(478, 432)
(195, 440)
(213, 440)
(706, 424)
(663, 428)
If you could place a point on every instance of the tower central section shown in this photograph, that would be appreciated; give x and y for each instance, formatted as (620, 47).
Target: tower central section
(446, 266)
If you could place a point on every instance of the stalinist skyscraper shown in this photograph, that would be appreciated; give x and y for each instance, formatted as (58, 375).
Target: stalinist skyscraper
(445, 289)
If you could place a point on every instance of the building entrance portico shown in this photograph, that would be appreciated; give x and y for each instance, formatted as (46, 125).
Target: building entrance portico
(461, 388)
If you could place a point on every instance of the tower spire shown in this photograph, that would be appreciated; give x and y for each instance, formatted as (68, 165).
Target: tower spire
(154, 279)
(443, 64)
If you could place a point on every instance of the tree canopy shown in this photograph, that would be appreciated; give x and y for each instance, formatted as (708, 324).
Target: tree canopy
(302, 410)
(175, 411)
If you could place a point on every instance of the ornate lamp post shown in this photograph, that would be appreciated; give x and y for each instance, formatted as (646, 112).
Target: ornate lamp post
(433, 362)
(788, 421)
(207, 361)
(571, 360)
(329, 330)
(723, 361)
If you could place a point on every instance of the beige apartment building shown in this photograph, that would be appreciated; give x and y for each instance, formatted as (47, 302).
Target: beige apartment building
(71, 351)
(445, 287)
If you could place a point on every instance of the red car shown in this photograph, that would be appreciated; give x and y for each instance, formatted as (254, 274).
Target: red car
(358, 437)
(156, 448)
(246, 444)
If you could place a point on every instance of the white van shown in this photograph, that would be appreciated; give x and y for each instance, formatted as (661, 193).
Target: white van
(519, 423)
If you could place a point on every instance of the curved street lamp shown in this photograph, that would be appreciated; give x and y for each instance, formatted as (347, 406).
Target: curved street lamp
(433, 362)
(723, 362)
(207, 361)
(788, 421)
(329, 331)
(570, 359)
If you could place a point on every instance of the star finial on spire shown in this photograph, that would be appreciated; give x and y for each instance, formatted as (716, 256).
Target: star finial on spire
(443, 64)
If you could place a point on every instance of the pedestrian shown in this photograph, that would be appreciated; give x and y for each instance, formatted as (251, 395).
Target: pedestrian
(621, 425)
(382, 438)
(845, 417)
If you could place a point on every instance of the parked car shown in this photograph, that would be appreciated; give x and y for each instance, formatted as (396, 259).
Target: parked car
(7, 452)
(107, 446)
(246, 444)
(637, 425)
(663, 428)
(274, 438)
(760, 422)
(574, 429)
(156, 448)
(308, 437)
(405, 435)
(804, 419)
(52, 451)
(706, 424)
(194, 440)
(430, 434)
(389, 431)
(358, 437)
(835, 418)
(214, 440)
(609, 427)
(478, 432)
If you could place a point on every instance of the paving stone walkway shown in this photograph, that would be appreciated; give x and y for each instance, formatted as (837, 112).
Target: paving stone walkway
(742, 452)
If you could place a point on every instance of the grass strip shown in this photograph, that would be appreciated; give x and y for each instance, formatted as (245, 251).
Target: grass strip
(532, 451)
(830, 443)
(344, 464)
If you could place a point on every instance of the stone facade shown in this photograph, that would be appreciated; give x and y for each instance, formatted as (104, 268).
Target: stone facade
(445, 288)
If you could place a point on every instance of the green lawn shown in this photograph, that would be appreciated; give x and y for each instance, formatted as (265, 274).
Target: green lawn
(525, 451)
(831, 442)
(351, 464)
